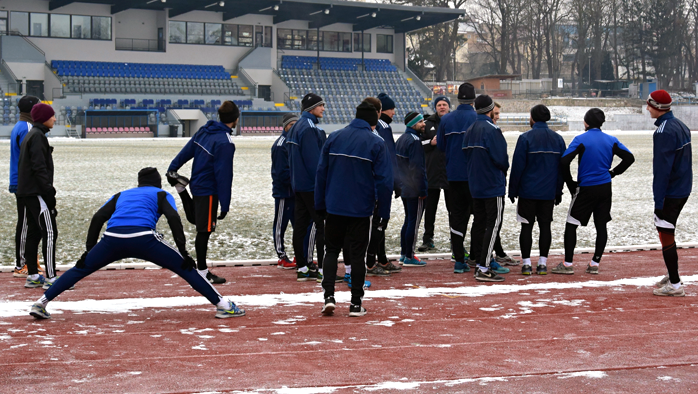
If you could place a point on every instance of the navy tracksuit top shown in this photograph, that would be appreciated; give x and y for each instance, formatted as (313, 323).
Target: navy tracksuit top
(280, 172)
(384, 130)
(449, 139)
(672, 161)
(304, 142)
(487, 161)
(411, 165)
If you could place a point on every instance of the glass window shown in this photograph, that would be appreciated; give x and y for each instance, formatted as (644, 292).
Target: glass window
(312, 40)
(230, 34)
(60, 26)
(330, 41)
(195, 33)
(384, 43)
(213, 33)
(357, 42)
(245, 35)
(285, 38)
(178, 32)
(3, 14)
(300, 38)
(81, 26)
(346, 42)
(19, 22)
(39, 24)
(101, 28)
(267, 36)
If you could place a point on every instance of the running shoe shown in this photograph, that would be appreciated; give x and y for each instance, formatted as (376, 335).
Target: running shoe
(414, 262)
(460, 268)
(506, 260)
(33, 283)
(214, 279)
(489, 276)
(669, 291)
(592, 269)
(286, 264)
(50, 282)
(231, 311)
(377, 270)
(453, 258)
(390, 267)
(426, 245)
(664, 281)
(39, 312)
(526, 269)
(472, 263)
(498, 268)
(465, 254)
(328, 308)
(356, 311)
(306, 276)
(402, 260)
(542, 269)
(563, 269)
(318, 276)
(347, 278)
(24, 272)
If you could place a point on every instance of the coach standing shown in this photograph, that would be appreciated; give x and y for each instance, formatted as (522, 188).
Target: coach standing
(284, 200)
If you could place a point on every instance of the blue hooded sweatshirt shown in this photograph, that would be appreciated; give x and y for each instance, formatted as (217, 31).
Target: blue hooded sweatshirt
(411, 165)
(353, 173)
(212, 149)
(486, 153)
(18, 132)
(535, 167)
(672, 161)
(304, 142)
(280, 173)
(449, 139)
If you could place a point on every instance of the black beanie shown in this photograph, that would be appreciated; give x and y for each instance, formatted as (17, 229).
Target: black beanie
(310, 101)
(483, 104)
(228, 112)
(386, 102)
(540, 113)
(466, 93)
(366, 111)
(594, 118)
(26, 103)
(149, 176)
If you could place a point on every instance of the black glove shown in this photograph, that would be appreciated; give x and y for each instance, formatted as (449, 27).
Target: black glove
(512, 199)
(81, 261)
(188, 263)
(322, 213)
(383, 224)
(398, 192)
(612, 173)
(171, 178)
(222, 215)
(572, 187)
(50, 201)
(558, 199)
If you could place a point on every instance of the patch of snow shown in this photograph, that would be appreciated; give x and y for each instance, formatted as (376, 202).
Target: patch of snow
(582, 374)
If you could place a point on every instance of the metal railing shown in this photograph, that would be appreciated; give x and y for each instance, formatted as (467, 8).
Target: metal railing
(524, 121)
(139, 44)
(12, 84)
(250, 80)
(18, 34)
(420, 84)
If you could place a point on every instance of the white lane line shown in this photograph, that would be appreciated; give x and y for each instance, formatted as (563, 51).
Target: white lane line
(124, 305)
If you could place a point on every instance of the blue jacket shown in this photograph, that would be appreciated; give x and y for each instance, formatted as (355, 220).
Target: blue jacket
(354, 171)
(535, 167)
(595, 149)
(304, 142)
(18, 132)
(280, 173)
(487, 161)
(449, 139)
(384, 130)
(138, 207)
(212, 149)
(411, 166)
(672, 161)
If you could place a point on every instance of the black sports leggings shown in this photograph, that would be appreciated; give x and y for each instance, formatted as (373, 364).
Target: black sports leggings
(571, 241)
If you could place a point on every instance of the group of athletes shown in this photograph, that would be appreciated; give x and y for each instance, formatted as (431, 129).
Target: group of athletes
(337, 190)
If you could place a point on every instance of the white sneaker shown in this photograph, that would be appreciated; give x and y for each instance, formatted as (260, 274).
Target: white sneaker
(664, 281)
(669, 291)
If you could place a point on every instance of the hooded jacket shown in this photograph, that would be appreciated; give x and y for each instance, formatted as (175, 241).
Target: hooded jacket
(435, 159)
(535, 167)
(450, 140)
(487, 161)
(18, 133)
(304, 142)
(280, 173)
(672, 161)
(411, 166)
(354, 171)
(35, 166)
(212, 149)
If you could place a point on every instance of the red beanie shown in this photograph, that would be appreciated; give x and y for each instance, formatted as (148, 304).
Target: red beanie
(660, 100)
(42, 112)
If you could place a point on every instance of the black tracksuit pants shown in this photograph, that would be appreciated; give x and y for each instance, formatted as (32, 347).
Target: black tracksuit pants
(305, 214)
(355, 233)
(41, 226)
(461, 205)
(433, 196)
(487, 221)
(376, 248)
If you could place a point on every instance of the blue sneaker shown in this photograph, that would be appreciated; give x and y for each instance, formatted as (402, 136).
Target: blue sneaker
(39, 312)
(347, 278)
(402, 259)
(414, 262)
(498, 268)
(33, 283)
(231, 311)
(460, 268)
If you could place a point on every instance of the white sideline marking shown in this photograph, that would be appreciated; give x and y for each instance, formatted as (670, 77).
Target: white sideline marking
(123, 305)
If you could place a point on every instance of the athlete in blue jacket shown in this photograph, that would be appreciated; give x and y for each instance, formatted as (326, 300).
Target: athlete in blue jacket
(412, 174)
(449, 139)
(304, 142)
(284, 199)
(536, 180)
(212, 149)
(487, 163)
(672, 184)
(18, 132)
(353, 173)
(592, 193)
(132, 217)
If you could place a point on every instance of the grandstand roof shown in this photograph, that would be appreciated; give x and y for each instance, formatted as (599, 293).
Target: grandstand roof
(318, 13)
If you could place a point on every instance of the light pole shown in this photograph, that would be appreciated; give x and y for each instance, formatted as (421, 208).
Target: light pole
(589, 71)
(454, 64)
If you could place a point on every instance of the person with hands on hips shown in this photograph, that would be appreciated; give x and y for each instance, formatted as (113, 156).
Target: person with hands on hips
(131, 217)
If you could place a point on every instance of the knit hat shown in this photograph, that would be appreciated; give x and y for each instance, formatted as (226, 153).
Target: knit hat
(594, 118)
(466, 93)
(483, 104)
(26, 103)
(288, 118)
(660, 100)
(386, 102)
(441, 98)
(310, 101)
(228, 112)
(149, 176)
(540, 113)
(366, 111)
(412, 118)
(42, 112)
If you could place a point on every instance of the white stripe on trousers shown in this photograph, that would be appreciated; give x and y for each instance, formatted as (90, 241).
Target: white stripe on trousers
(311, 244)
(570, 219)
(23, 240)
(495, 229)
(49, 257)
(420, 204)
(203, 275)
(277, 233)
(370, 227)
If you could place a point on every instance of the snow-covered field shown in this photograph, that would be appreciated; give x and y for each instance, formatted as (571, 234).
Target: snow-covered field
(576, 114)
(88, 172)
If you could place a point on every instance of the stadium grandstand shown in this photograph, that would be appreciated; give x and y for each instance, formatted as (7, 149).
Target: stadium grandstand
(154, 68)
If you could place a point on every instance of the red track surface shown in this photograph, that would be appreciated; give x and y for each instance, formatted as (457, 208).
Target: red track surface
(527, 341)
